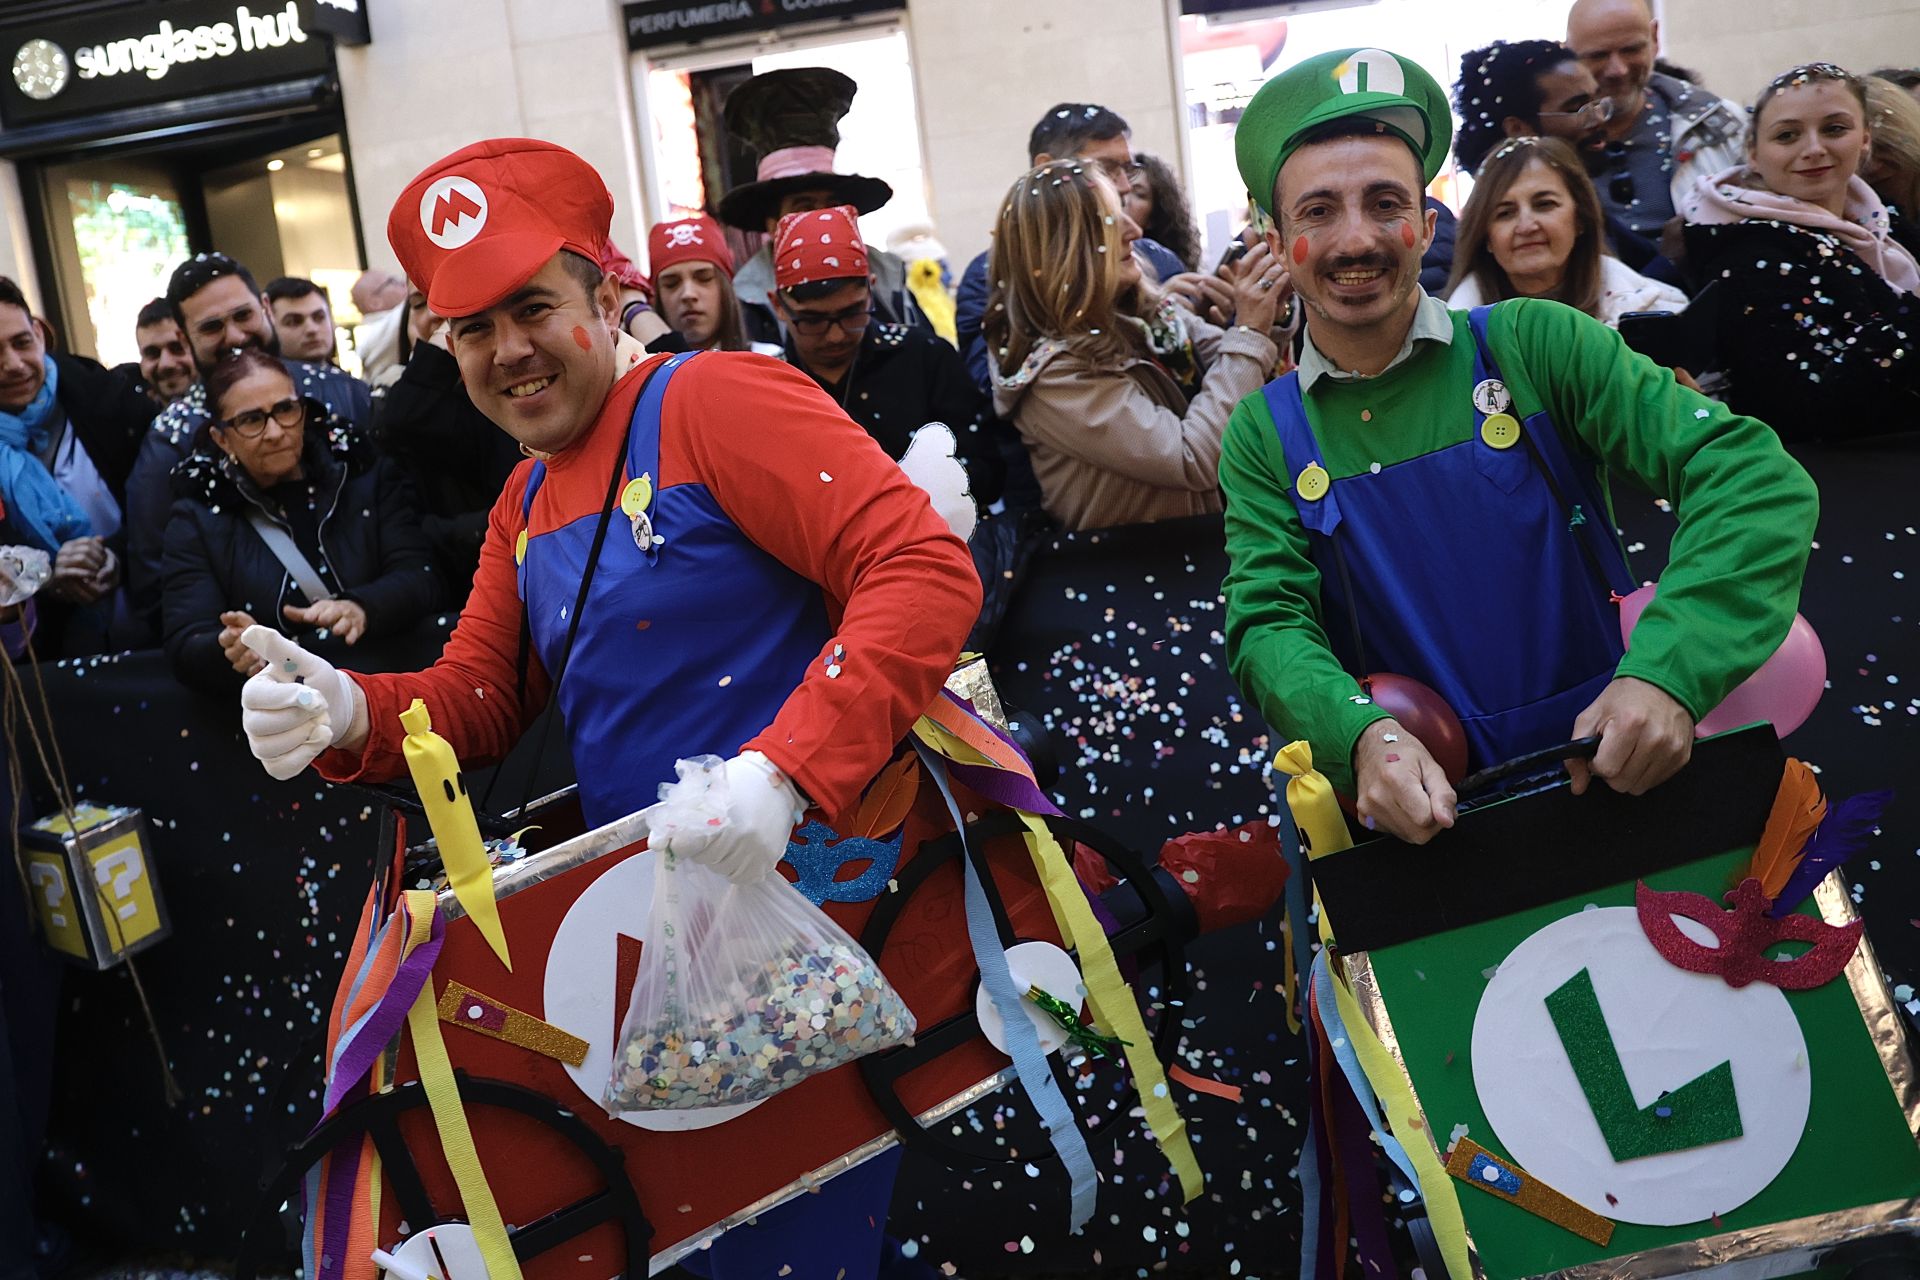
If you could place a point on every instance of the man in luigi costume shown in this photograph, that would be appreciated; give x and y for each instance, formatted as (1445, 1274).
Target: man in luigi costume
(1426, 493)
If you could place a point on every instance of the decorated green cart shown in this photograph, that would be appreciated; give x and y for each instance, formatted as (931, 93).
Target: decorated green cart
(1613, 1037)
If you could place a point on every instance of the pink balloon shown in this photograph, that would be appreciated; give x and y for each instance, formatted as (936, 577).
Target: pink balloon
(1784, 690)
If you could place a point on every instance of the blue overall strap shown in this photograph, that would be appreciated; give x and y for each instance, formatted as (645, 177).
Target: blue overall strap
(535, 478)
(643, 445)
(1301, 448)
(1602, 550)
(1023, 1042)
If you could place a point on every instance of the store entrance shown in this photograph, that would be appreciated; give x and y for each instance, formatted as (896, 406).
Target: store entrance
(115, 222)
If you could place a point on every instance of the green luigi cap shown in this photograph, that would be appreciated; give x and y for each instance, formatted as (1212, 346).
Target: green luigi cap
(1383, 86)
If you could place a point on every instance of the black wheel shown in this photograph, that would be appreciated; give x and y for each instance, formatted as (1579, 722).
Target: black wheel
(1153, 939)
(379, 1118)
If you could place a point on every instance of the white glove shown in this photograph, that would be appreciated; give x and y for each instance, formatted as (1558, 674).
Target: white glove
(761, 810)
(288, 722)
(930, 462)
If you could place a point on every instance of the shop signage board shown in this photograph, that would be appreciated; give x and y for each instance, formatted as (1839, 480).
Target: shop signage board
(651, 23)
(134, 57)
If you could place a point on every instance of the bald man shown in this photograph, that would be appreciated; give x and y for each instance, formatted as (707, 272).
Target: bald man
(1664, 133)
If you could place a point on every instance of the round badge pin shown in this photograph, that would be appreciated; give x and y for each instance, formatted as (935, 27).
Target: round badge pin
(1500, 430)
(636, 496)
(642, 531)
(1491, 396)
(1312, 484)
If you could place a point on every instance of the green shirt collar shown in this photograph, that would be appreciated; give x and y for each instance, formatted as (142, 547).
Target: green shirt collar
(1431, 323)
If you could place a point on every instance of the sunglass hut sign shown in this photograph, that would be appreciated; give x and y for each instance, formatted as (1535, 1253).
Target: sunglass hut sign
(196, 48)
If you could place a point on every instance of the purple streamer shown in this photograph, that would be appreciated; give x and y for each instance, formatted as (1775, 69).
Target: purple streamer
(343, 1170)
(1002, 787)
(358, 1055)
(1361, 1176)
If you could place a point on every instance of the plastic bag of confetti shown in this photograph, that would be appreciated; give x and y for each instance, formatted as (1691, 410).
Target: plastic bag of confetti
(743, 989)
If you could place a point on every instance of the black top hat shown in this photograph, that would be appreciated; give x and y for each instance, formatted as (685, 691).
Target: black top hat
(781, 111)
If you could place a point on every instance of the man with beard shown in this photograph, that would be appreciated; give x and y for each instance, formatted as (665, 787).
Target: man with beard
(219, 308)
(1664, 132)
(1425, 495)
(165, 370)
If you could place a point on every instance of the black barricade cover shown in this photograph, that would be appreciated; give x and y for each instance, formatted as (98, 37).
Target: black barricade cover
(1115, 643)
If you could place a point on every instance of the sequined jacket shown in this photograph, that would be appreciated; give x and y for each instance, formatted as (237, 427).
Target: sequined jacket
(1815, 343)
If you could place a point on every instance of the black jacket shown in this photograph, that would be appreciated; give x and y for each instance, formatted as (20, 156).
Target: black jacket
(903, 378)
(110, 417)
(455, 457)
(1815, 343)
(214, 561)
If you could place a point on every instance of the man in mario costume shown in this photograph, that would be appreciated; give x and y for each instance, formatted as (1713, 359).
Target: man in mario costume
(703, 554)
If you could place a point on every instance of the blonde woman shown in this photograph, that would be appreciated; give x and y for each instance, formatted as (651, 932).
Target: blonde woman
(1892, 164)
(1120, 395)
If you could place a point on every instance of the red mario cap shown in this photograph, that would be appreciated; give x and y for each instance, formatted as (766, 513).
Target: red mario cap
(820, 244)
(474, 226)
(695, 239)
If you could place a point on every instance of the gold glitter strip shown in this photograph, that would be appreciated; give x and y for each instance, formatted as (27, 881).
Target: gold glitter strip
(1535, 1196)
(457, 1005)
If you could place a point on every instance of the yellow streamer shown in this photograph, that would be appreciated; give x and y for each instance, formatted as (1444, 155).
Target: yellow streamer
(443, 792)
(1316, 809)
(1113, 1003)
(450, 1119)
(1404, 1118)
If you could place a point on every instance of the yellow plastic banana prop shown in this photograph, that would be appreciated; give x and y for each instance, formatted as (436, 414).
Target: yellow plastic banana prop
(443, 790)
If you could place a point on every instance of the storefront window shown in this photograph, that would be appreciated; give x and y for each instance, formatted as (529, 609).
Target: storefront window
(127, 238)
(879, 137)
(1224, 63)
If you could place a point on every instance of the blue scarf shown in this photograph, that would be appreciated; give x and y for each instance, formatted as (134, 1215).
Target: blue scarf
(39, 510)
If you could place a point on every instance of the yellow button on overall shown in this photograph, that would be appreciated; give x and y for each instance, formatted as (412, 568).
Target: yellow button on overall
(520, 548)
(1501, 430)
(1312, 483)
(635, 497)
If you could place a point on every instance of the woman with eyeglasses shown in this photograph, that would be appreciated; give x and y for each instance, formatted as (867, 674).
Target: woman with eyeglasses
(1120, 396)
(1533, 229)
(1541, 88)
(1820, 304)
(282, 517)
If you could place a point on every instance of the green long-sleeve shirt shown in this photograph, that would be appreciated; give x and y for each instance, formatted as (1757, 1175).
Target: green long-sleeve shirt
(1746, 511)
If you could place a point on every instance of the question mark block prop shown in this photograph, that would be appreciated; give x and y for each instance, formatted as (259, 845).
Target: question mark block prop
(1464, 953)
(93, 884)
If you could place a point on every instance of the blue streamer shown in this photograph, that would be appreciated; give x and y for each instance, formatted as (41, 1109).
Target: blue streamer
(1023, 1042)
(1349, 1060)
(1296, 897)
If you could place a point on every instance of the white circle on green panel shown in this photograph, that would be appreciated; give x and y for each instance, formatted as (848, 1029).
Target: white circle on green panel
(1665, 1029)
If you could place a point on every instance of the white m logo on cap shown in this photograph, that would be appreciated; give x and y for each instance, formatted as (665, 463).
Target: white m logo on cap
(452, 211)
(1372, 71)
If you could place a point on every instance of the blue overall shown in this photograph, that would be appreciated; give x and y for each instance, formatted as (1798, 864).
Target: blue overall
(1465, 571)
(688, 646)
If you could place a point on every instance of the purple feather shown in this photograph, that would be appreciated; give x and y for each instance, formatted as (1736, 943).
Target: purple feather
(1839, 836)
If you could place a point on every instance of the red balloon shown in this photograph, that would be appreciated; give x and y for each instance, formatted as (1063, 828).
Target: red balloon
(1426, 715)
(1784, 691)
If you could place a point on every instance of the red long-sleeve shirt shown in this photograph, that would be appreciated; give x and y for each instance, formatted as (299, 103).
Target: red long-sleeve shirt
(803, 483)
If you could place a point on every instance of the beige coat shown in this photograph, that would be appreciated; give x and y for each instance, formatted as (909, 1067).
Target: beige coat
(1115, 445)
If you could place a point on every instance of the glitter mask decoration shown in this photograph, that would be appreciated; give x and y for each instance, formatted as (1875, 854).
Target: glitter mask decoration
(1745, 934)
(818, 855)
